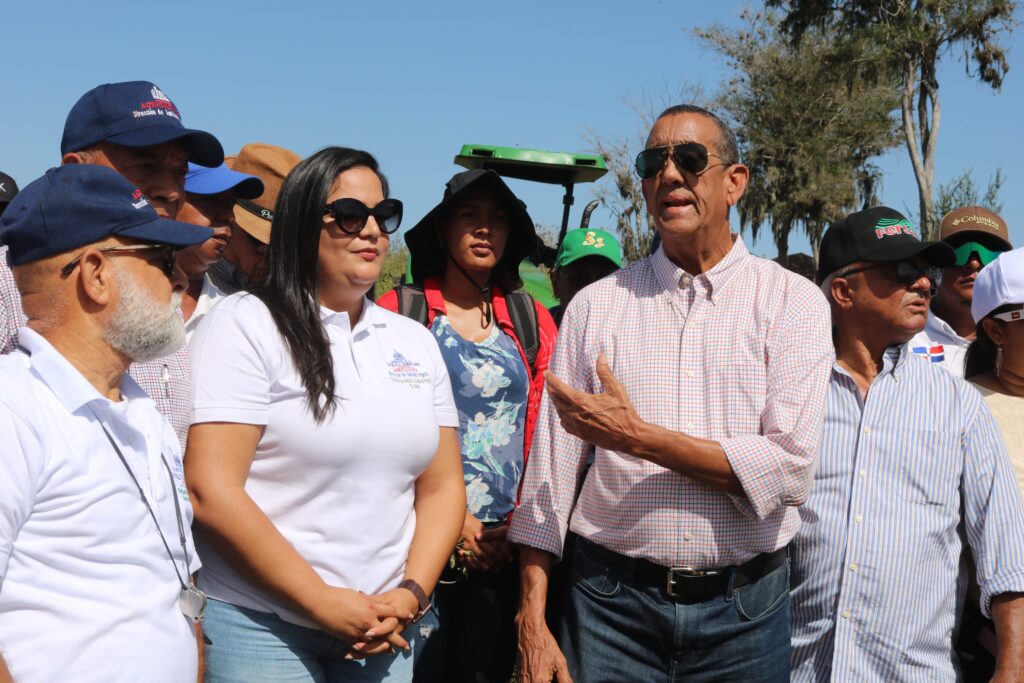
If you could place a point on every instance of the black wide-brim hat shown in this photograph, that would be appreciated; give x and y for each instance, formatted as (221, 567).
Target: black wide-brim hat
(425, 247)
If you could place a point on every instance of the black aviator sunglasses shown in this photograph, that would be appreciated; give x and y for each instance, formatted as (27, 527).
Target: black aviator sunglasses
(351, 215)
(167, 265)
(691, 157)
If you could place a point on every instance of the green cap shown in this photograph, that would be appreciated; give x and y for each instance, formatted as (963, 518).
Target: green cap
(585, 242)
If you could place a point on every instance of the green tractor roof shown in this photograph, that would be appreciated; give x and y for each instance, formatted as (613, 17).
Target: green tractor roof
(556, 168)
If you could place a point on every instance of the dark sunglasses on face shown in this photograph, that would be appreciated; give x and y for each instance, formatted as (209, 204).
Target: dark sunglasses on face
(691, 157)
(905, 272)
(351, 215)
(167, 264)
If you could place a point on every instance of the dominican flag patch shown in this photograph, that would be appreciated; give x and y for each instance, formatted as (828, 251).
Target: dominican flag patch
(935, 353)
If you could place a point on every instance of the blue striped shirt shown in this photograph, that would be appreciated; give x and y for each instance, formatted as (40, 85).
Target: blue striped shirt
(904, 478)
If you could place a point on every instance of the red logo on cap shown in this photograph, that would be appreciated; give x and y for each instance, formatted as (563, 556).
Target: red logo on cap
(137, 195)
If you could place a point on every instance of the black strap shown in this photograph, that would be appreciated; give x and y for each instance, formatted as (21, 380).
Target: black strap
(412, 303)
(145, 501)
(522, 311)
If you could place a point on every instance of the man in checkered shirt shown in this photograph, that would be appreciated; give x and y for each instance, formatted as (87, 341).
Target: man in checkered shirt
(696, 378)
(109, 126)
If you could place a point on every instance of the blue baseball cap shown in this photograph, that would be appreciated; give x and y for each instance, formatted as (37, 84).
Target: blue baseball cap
(134, 114)
(206, 180)
(79, 204)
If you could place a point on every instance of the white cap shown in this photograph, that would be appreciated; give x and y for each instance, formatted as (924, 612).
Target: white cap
(999, 283)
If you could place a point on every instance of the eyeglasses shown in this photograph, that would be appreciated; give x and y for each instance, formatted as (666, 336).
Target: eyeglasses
(167, 265)
(688, 156)
(351, 215)
(905, 272)
(985, 255)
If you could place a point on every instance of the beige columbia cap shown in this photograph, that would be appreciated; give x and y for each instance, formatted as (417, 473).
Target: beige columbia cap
(270, 164)
(974, 219)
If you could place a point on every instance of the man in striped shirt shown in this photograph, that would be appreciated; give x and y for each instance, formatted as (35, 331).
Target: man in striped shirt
(912, 467)
(713, 366)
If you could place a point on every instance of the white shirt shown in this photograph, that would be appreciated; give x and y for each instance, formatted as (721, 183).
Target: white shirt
(88, 592)
(941, 345)
(208, 296)
(341, 492)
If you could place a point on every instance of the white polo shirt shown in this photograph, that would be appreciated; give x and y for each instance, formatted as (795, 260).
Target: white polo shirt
(940, 344)
(341, 492)
(87, 590)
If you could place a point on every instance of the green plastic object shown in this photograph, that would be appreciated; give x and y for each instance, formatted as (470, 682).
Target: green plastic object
(557, 168)
(538, 284)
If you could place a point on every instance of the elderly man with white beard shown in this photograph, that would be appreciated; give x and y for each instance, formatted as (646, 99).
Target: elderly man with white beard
(96, 556)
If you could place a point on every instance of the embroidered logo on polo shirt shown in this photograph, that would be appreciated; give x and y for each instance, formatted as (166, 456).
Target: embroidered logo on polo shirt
(935, 353)
(405, 371)
(178, 474)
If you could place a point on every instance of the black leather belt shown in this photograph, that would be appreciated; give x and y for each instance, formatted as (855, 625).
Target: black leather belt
(687, 583)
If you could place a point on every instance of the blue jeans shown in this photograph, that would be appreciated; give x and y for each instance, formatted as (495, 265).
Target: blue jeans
(247, 646)
(615, 628)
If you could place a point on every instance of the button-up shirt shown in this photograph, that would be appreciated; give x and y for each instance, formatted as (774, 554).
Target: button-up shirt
(739, 355)
(940, 344)
(88, 590)
(905, 477)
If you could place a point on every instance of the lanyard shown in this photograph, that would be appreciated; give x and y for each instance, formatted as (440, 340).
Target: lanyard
(177, 508)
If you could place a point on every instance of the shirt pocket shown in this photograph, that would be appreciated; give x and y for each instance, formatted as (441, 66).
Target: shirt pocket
(930, 466)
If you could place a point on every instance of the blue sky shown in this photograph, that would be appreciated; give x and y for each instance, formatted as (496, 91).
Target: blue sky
(412, 82)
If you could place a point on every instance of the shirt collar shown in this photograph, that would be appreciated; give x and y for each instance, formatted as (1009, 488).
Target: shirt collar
(893, 360)
(672, 277)
(371, 317)
(70, 387)
(936, 327)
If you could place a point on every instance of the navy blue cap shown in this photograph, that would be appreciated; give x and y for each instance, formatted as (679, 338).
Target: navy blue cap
(205, 180)
(134, 114)
(79, 204)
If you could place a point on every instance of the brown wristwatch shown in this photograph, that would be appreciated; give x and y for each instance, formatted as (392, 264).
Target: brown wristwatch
(420, 595)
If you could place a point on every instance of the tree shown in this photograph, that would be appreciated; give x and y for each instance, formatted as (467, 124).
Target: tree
(807, 130)
(907, 39)
(393, 269)
(961, 191)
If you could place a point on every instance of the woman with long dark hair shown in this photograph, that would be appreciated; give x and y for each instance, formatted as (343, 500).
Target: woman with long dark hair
(322, 461)
(994, 364)
(496, 342)
(995, 360)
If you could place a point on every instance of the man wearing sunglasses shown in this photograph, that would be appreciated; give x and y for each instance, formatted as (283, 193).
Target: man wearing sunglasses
(912, 471)
(95, 549)
(978, 236)
(136, 130)
(695, 378)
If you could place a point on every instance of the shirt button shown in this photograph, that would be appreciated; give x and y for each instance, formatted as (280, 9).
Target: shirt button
(688, 536)
(846, 614)
(686, 281)
(853, 566)
(863, 473)
(688, 373)
(867, 431)
(859, 519)
(689, 426)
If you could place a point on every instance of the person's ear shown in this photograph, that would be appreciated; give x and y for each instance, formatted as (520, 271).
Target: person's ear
(842, 293)
(736, 178)
(995, 330)
(96, 278)
(72, 158)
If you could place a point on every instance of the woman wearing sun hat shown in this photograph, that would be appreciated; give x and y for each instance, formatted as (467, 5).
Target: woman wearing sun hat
(465, 258)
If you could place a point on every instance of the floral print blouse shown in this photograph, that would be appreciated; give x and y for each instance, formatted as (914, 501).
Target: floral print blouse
(490, 384)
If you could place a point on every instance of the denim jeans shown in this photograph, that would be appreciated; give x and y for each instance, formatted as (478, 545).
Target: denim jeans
(475, 638)
(247, 646)
(615, 628)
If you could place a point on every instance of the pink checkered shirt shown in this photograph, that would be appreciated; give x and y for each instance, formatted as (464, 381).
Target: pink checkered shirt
(168, 380)
(740, 355)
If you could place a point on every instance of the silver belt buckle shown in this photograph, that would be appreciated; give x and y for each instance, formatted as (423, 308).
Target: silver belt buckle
(686, 572)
